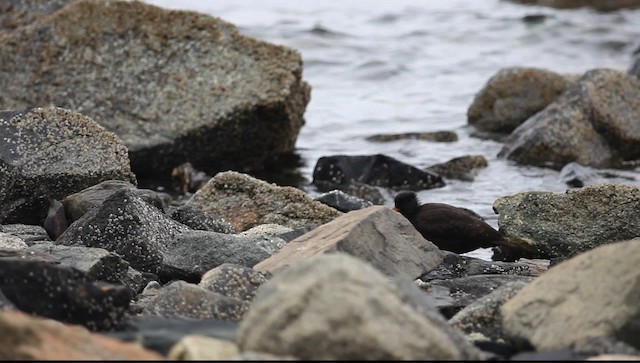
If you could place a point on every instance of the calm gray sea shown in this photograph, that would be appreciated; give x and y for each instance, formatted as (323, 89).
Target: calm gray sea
(413, 66)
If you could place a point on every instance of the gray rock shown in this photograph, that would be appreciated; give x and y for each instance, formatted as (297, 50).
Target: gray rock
(96, 263)
(49, 153)
(594, 294)
(513, 95)
(565, 224)
(17, 13)
(183, 299)
(29, 233)
(462, 168)
(151, 76)
(342, 201)
(593, 123)
(246, 202)
(194, 217)
(5, 303)
(483, 315)
(375, 234)
(233, 280)
(437, 136)
(152, 242)
(337, 307)
(127, 225)
(77, 204)
(196, 252)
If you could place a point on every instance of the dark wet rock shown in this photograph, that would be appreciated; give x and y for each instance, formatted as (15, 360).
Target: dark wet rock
(195, 217)
(180, 298)
(605, 345)
(17, 13)
(152, 242)
(160, 333)
(594, 123)
(333, 172)
(127, 225)
(150, 75)
(195, 252)
(373, 194)
(466, 290)
(63, 293)
(96, 263)
(565, 224)
(483, 315)
(462, 168)
(49, 153)
(609, 5)
(535, 18)
(31, 338)
(246, 202)
(342, 201)
(233, 280)
(77, 204)
(377, 234)
(335, 306)
(29, 233)
(291, 235)
(574, 301)
(455, 266)
(437, 136)
(513, 95)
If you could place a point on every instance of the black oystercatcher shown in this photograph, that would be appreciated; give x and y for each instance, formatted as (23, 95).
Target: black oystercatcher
(450, 228)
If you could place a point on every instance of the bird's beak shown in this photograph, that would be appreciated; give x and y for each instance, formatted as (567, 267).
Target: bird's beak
(396, 209)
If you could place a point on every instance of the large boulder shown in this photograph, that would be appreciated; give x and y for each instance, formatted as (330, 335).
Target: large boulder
(377, 234)
(48, 153)
(594, 123)
(565, 224)
(17, 13)
(591, 295)
(173, 85)
(513, 95)
(337, 307)
(246, 202)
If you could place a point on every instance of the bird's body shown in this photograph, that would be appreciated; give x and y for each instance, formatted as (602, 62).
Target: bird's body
(448, 227)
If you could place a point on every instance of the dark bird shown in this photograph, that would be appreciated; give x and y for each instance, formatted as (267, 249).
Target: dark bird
(450, 228)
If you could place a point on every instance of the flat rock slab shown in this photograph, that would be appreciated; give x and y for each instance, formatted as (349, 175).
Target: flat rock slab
(375, 234)
(173, 85)
(48, 153)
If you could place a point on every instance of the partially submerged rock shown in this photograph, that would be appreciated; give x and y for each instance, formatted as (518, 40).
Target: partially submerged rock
(565, 224)
(174, 85)
(462, 168)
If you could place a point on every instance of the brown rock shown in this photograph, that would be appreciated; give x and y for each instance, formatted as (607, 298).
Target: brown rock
(23, 337)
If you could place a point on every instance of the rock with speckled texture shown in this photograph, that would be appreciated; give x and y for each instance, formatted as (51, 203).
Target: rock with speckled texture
(565, 224)
(36, 285)
(233, 280)
(49, 153)
(17, 13)
(28, 233)
(246, 202)
(197, 218)
(180, 298)
(152, 242)
(173, 85)
(594, 123)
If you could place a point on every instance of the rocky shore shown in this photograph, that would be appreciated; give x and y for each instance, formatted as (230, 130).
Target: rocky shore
(93, 266)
